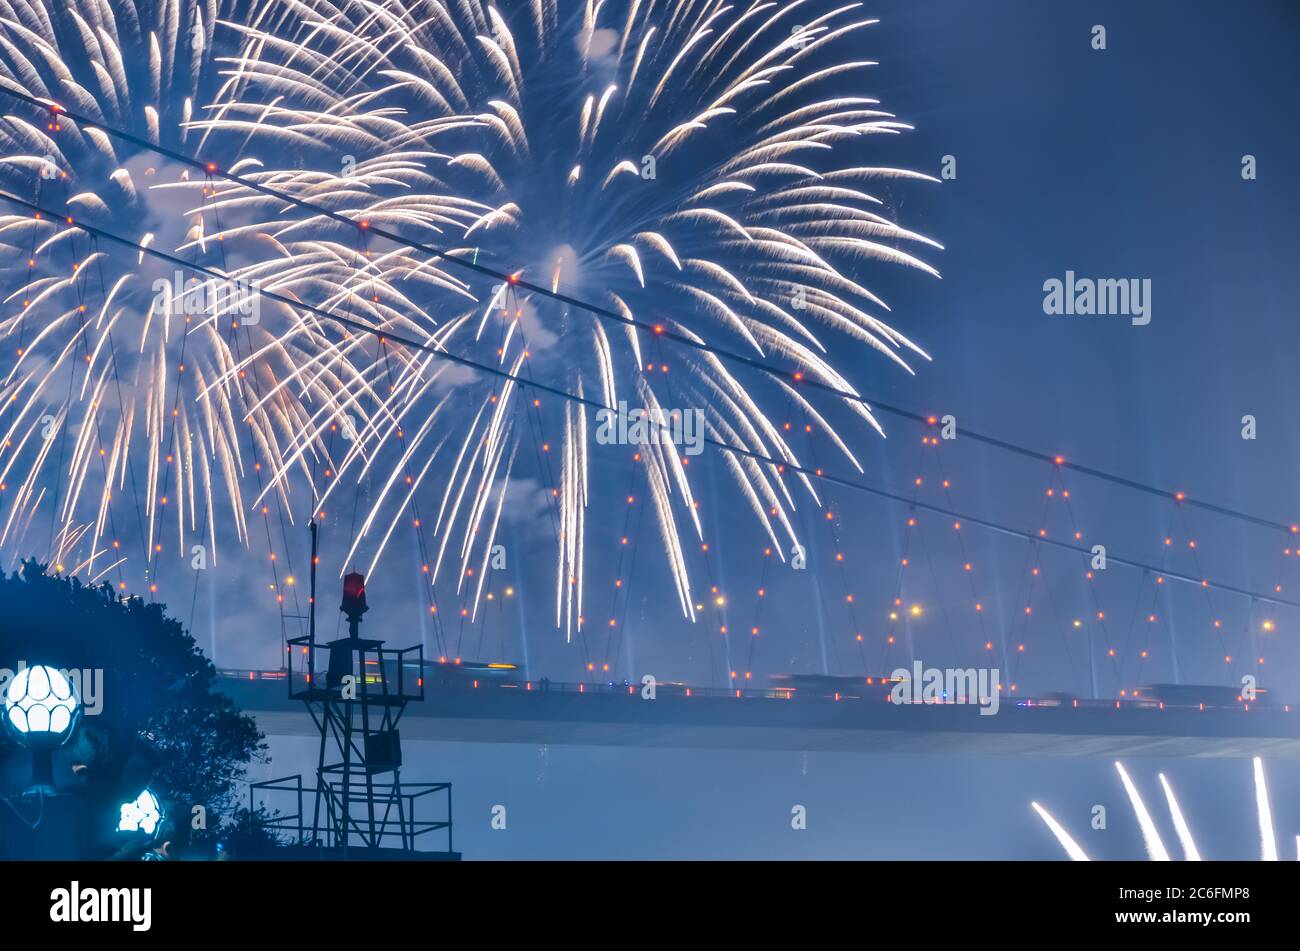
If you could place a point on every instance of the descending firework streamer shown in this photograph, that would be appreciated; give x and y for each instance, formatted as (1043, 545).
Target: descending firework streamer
(697, 166)
(122, 411)
(1155, 847)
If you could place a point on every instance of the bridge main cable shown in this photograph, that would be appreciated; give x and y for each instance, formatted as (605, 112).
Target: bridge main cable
(659, 330)
(781, 465)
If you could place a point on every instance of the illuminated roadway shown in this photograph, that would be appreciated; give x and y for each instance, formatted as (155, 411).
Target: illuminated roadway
(604, 715)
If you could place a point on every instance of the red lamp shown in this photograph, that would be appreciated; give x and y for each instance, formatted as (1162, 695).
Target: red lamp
(354, 599)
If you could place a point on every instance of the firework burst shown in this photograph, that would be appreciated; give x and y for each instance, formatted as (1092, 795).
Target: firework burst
(692, 169)
(124, 416)
(693, 166)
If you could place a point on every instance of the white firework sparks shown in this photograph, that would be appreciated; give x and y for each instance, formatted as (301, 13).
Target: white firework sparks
(697, 171)
(1150, 835)
(123, 411)
(691, 165)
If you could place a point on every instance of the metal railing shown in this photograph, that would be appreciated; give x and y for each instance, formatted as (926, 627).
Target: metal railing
(406, 828)
(874, 692)
(392, 672)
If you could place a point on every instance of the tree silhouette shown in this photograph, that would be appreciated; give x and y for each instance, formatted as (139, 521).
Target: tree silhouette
(161, 723)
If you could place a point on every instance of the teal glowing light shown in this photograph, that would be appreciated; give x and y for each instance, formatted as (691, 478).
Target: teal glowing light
(41, 706)
(141, 814)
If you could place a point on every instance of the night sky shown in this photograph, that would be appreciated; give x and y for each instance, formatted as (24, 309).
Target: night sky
(1116, 163)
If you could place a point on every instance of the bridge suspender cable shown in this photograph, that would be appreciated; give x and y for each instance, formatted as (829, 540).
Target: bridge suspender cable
(659, 331)
(780, 465)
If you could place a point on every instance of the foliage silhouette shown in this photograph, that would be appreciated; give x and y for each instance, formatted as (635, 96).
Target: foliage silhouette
(162, 720)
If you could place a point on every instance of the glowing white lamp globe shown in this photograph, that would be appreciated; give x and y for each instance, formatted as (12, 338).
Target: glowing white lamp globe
(142, 814)
(41, 707)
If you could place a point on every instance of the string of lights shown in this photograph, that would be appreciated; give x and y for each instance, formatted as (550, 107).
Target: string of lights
(838, 547)
(1091, 577)
(929, 456)
(967, 563)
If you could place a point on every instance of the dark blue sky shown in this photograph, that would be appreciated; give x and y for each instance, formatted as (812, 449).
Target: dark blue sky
(1123, 162)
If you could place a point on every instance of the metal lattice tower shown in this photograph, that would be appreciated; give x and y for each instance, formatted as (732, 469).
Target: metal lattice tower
(357, 701)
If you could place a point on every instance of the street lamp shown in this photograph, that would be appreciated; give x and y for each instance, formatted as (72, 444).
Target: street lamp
(41, 711)
(142, 814)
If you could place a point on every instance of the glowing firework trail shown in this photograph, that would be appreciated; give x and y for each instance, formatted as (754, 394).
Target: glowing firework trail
(1190, 852)
(1071, 847)
(684, 158)
(1150, 836)
(1267, 838)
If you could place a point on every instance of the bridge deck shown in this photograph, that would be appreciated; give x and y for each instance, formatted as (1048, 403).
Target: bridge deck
(497, 713)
